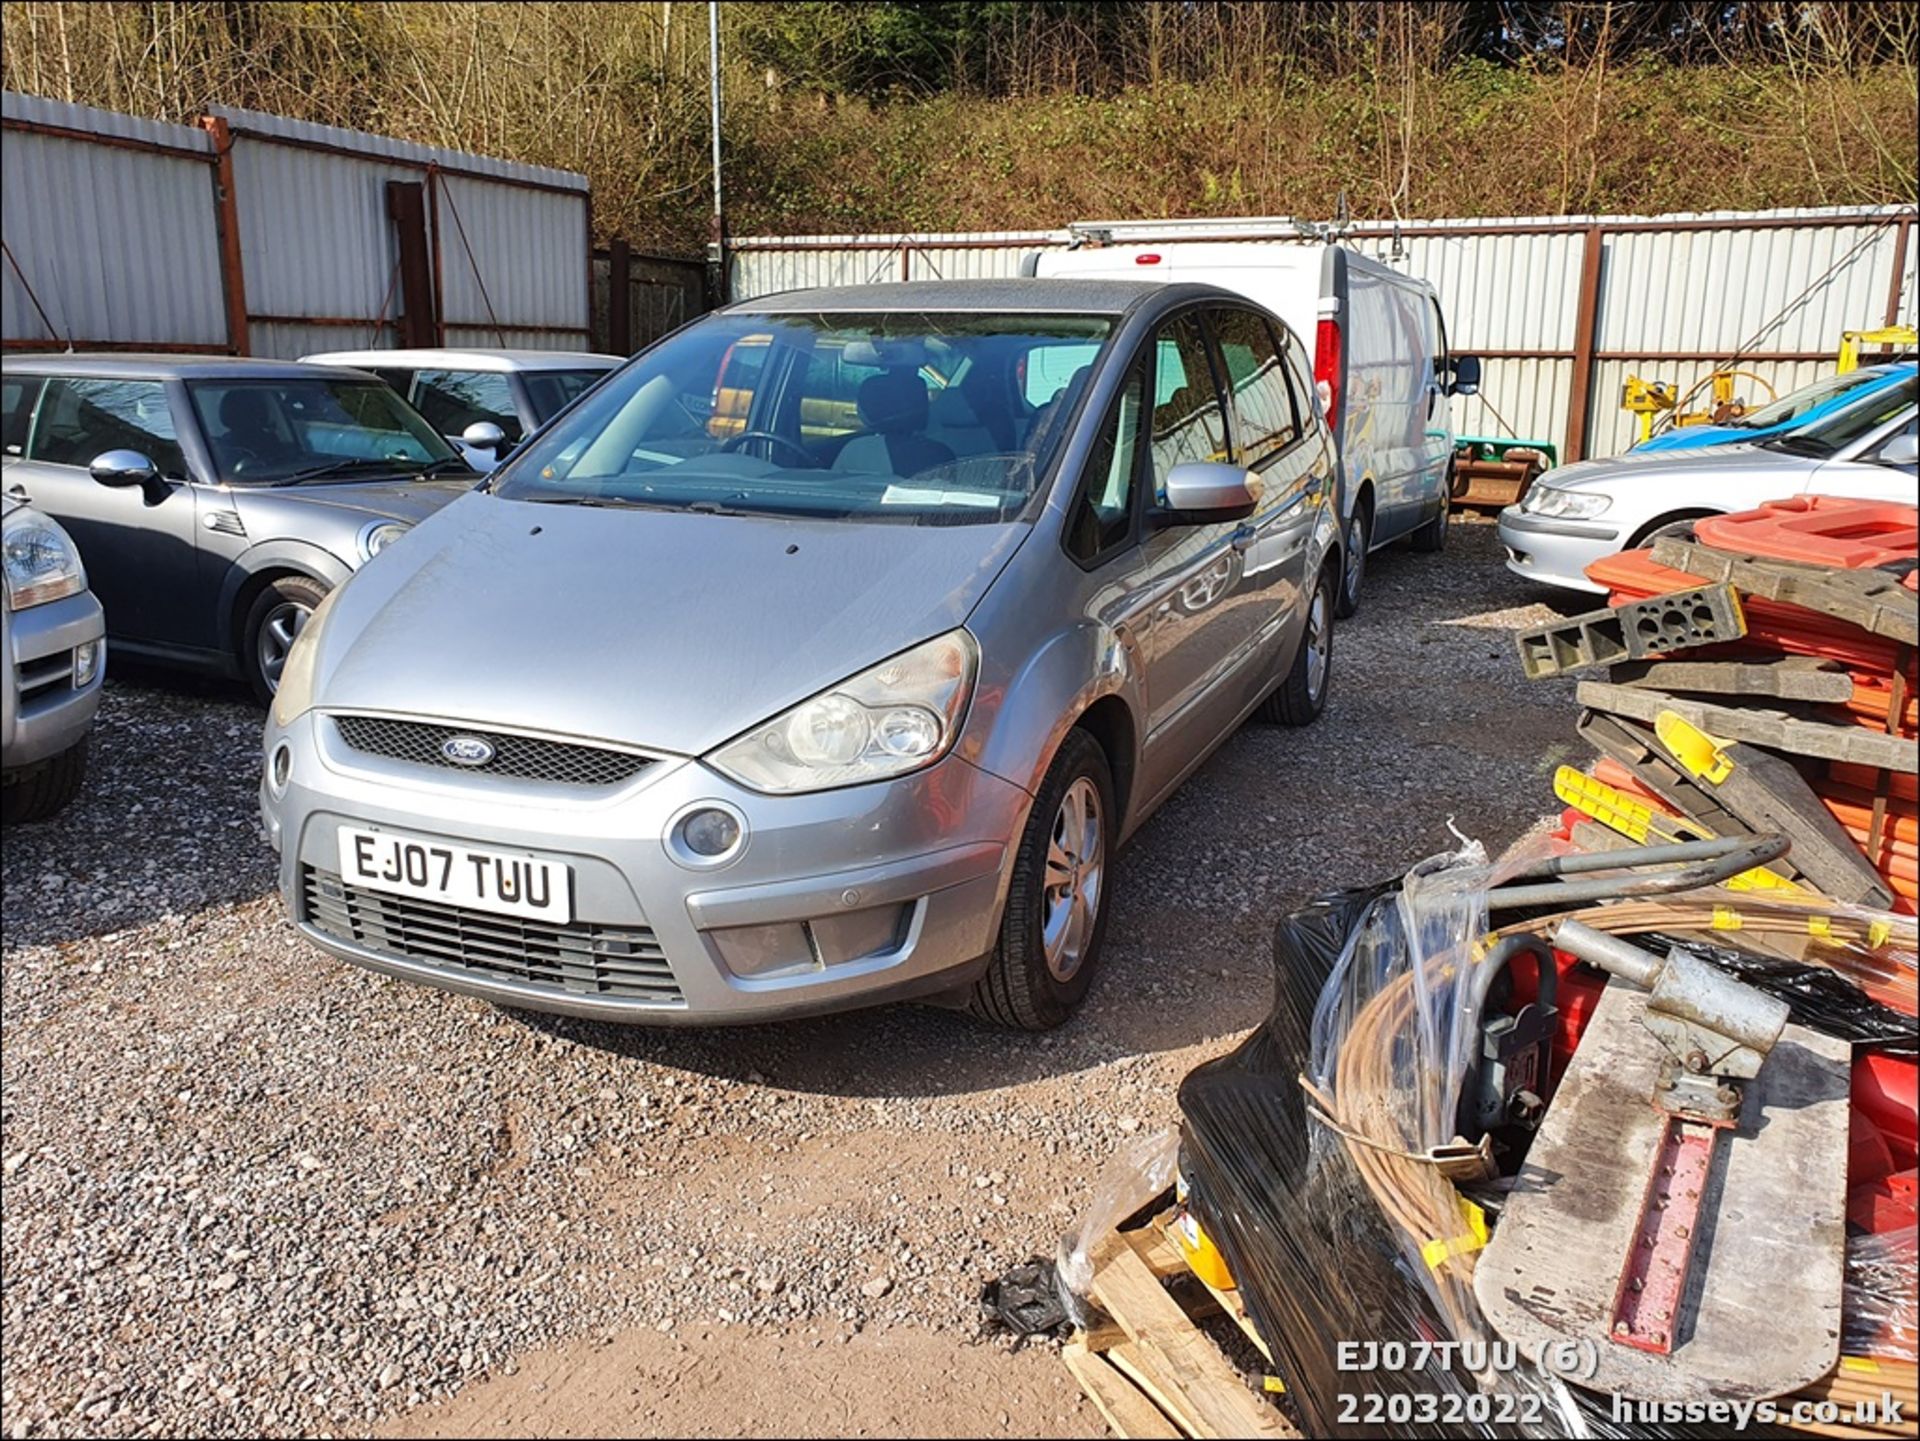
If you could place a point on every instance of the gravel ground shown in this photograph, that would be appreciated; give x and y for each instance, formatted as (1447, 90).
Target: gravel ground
(251, 1189)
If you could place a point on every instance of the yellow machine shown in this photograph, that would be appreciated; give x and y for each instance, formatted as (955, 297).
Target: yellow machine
(1648, 399)
(1852, 340)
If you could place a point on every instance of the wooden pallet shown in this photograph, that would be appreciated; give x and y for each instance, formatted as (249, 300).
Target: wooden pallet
(1148, 1368)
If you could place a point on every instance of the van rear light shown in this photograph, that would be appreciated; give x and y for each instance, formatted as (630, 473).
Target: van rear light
(1148, 259)
(1326, 369)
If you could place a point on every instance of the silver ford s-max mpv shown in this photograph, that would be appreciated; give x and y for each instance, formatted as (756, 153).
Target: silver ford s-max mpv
(821, 656)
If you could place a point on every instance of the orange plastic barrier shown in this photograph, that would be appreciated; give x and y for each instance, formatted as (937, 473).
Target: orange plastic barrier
(1819, 530)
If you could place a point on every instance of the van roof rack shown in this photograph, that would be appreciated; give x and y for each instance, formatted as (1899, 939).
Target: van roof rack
(1142, 232)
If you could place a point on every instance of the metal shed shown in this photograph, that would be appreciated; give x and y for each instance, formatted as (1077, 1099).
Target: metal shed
(1562, 308)
(261, 235)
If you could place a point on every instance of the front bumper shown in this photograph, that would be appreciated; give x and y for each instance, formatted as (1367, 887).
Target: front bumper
(845, 898)
(1556, 552)
(42, 712)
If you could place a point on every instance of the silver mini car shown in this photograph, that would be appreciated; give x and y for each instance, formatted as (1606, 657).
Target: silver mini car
(53, 649)
(821, 656)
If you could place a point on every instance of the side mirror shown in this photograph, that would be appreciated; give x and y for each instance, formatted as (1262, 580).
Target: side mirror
(1903, 450)
(1466, 375)
(1208, 492)
(484, 435)
(119, 469)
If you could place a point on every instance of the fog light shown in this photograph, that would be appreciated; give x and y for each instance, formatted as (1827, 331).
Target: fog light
(280, 768)
(86, 663)
(710, 833)
(707, 834)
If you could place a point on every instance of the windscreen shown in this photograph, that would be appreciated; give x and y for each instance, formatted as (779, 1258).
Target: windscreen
(1833, 433)
(899, 416)
(286, 431)
(1790, 408)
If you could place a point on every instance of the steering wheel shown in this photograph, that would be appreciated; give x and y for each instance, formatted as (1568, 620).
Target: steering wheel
(240, 460)
(734, 442)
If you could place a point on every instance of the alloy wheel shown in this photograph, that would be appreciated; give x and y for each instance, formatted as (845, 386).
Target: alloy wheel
(278, 630)
(1076, 866)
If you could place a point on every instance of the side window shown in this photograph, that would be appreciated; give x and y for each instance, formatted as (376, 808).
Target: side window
(79, 419)
(1300, 378)
(1188, 423)
(1103, 511)
(1262, 405)
(829, 394)
(17, 395)
(452, 400)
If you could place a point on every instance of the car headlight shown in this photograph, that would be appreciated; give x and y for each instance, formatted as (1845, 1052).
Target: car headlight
(1565, 504)
(41, 562)
(899, 716)
(294, 696)
(378, 536)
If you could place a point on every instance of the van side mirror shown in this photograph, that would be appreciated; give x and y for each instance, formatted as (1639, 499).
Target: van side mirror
(485, 435)
(1466, 375)
(1208, 492)
(119, 469)
(1903, 450)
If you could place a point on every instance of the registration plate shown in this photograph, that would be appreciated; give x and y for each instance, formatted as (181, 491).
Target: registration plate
(454, 875)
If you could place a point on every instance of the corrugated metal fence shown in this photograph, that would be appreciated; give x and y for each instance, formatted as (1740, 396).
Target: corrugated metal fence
(1561, 308)
(259, 235)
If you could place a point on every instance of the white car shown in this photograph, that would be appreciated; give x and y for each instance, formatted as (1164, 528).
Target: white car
(514, 391)
(1582, 513)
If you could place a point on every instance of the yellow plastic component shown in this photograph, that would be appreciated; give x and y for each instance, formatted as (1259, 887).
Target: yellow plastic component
(1618, 811)
(1273, 1385)
(1703, 756)
(1441, 1250)
(1760, 879)
(1203, 1257)
(1726, 918)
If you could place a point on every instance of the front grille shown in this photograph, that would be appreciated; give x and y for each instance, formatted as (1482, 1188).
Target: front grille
(523, 757)
(44, 674)
(573, 959)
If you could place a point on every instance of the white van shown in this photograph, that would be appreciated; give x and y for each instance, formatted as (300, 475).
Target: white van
(1380, 358)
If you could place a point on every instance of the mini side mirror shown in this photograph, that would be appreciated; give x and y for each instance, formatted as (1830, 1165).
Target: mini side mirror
(1903, 450)
(1208, 492)
(1466, 376)
(120, 469)
(484, 435)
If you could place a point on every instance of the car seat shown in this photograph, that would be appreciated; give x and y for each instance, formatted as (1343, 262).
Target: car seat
(893, 406)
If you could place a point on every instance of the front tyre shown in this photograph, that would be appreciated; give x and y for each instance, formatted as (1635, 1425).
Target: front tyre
(1056, 915)
(47, 789)
(276, 617)
(1301, 697)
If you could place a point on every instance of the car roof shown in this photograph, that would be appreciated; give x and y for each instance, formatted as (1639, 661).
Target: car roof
(136, 365)
(449, 359)
(1079, 295)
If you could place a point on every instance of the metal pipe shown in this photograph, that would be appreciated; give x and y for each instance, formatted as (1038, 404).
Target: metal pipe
(1609, 953)
(713, 88)
(1703, 863)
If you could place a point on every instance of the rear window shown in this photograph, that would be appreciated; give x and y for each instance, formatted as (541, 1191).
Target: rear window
(551, 391)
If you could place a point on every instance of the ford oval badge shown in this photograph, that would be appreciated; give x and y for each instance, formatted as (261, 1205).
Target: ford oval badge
(467, 750)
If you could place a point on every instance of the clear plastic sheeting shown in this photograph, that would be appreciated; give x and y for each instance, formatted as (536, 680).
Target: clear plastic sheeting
(1880, 1316)
(1314, 1181)
(1138, 1174)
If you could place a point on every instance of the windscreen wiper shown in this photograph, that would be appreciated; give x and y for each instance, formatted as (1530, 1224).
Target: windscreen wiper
(340, 469)
(1805, 445)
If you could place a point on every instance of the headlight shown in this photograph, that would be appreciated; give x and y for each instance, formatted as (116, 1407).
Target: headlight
(1566, 504)
(895, 718)
(41, 563)
(378, 536)
(294, 697)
